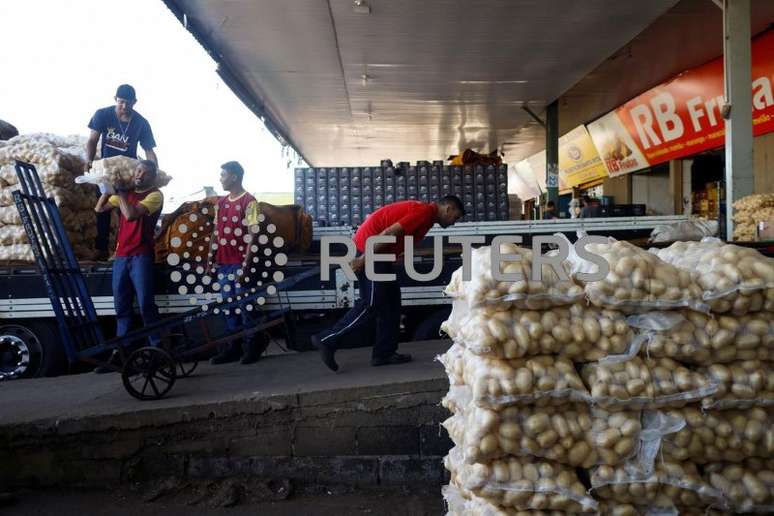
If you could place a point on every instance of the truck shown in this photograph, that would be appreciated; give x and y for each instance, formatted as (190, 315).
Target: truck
(29, 345)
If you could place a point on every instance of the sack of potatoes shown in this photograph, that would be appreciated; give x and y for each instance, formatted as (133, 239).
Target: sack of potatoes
(721, 435)
(645, 383)
(705, 340)
(578, 331)
(118, 171)
(483, 289)
(733, 279)
(745, 384)
(668, 483)
(639, 281)
(521, 483)
(460, 502)
(746, 487)
(573, 434)
(541, 380)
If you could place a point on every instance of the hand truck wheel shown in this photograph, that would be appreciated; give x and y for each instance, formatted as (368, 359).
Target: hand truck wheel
(186, 369)
(149, 373)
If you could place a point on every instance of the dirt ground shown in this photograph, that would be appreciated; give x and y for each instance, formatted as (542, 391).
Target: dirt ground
(232, 499)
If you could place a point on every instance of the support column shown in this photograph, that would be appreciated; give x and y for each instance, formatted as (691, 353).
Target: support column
(676, 185)
(738, 78)
(552, 151)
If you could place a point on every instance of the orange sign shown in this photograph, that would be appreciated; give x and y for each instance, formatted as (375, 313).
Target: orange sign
(682, 117)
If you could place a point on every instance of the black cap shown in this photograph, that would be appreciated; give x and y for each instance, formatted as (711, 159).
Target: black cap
(126, 92)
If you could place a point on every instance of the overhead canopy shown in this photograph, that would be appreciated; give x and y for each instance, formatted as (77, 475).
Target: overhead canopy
(414, 79)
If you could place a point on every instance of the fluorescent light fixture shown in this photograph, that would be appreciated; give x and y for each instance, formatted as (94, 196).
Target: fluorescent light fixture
(361, 7)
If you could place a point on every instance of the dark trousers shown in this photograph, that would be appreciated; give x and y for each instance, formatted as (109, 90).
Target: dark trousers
(134, 275)
(375, 317)
(234, 322)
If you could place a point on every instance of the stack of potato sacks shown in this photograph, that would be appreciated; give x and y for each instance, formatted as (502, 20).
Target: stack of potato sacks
(58, 160)
(624, 396)
(748, 212)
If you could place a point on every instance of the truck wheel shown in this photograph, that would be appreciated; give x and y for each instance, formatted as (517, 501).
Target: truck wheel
(430, 327)
(29, 350)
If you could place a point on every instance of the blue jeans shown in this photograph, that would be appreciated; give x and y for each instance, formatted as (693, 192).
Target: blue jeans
(134, 275)
(234, 322)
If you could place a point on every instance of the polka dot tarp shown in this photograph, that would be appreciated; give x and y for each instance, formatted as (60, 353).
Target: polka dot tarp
(202, 282)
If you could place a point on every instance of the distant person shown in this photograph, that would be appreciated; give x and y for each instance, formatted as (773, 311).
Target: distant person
(550, 212)
(379, 301)
(135, 247)
(234, 214)
(120, 128)
(574, 208)
(588, 210)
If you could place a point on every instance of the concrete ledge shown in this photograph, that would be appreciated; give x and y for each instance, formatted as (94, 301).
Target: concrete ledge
(365, 426)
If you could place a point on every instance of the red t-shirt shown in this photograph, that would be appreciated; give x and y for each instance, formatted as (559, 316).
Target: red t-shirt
(416, 218)
(234, 219)
(135, 237)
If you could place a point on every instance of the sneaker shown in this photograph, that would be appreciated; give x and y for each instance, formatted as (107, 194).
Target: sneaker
(326, 353)
(395, 358)
(114, 359)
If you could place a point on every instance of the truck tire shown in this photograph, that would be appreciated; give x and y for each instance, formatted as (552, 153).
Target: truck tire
(430, 327)
(30, 349)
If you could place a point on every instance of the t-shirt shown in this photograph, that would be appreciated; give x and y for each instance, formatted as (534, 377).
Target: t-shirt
(135, 237)
(121, 138)
(233, 220)
(415, 217)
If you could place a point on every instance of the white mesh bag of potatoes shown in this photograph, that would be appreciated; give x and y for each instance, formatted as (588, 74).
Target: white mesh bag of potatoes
(573, 434)
(696, 338)
(520, 483)
(669, 482)
(117, 171)
(746, 487)
(733, 279)
(720, 435)
(645, 383)
(744, 384)
(484, 289)
(498, 382)
(637, 280)
(577, 331)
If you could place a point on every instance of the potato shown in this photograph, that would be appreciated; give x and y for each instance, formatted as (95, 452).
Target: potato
(483, 289)
(644, 383)
(734, 279)
(699, 339)
(747, 487)
(573, 331)
(640, 281)
(742, 384)
(727, 435)
(572, 434)
(546, 486)
(496, 383)
(672, 481)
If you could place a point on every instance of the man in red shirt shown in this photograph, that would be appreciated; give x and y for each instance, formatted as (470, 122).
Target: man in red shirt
(379, 301)
(235, 213)
(133, 267)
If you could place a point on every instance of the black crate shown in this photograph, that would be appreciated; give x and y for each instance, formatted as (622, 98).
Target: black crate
(321, 175)
(503, 207)
(412, 187)
(456, 173)
(479, 173)
(638, 210)
(619, 210)
(502, 179)
(435, 176)
(467, 175)
(435, 192)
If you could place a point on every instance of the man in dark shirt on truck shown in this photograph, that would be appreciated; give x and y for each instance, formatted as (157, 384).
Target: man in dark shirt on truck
(375, 317)
(120, 128)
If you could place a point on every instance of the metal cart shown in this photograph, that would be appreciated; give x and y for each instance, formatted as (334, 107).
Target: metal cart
(148, 373)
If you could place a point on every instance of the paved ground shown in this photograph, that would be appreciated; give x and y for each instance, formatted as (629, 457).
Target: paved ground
(374, 502)
(84, 395)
